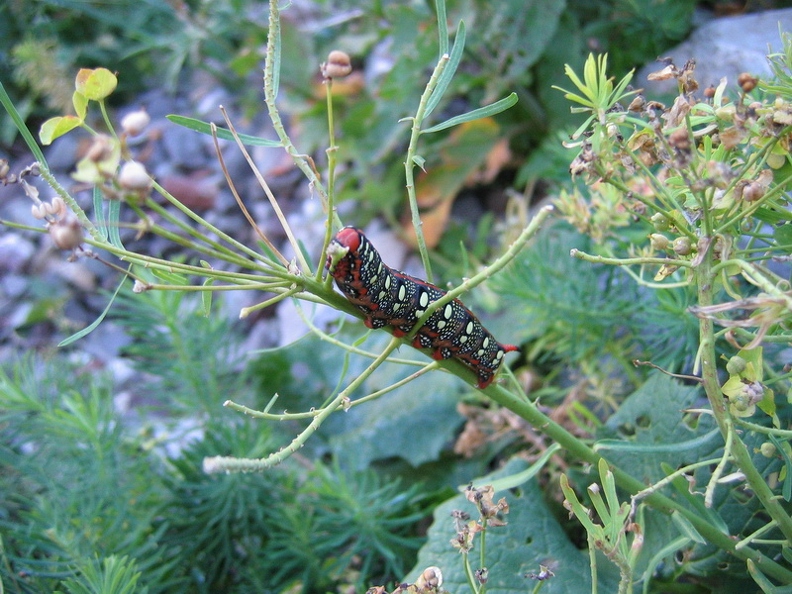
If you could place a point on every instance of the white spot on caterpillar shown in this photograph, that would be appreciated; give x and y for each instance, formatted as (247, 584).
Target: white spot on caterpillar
(448, 312)
(423, 300)
(469, 328)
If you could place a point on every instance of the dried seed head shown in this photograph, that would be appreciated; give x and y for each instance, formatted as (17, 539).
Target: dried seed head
(747, 81)
(66, 234)
(753, 191)
(135, 122)
(101, 148)
(680, 139)
(709, 92)
(338, 65)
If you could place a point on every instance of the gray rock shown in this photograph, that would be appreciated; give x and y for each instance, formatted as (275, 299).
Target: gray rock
(15, 252)
(724, 47)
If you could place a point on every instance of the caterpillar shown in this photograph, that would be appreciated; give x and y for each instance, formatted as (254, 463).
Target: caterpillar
(388, 297)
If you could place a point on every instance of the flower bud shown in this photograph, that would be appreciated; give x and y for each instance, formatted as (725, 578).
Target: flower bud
(338, 65)
(135, 122)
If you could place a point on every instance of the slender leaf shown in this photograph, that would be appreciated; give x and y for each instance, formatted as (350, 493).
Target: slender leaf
(93, 325)
(98, 206)
(482, 112)
(113, 222)
(19, 122)
(445, 78)
(205, 128)
(442, 27)
(515, 480)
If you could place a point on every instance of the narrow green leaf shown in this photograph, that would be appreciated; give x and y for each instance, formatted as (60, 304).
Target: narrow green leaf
(683, 489)
(91, 327)
(476, 114)
(206, 298)
(686, 528)
(19, 122)
(445, 78)
(684, 446)
(276, 58)
(205, 128)
(420, 161)
(786, 488)
(442, 27)
(99, 216)
(114, 223)
(515, 480)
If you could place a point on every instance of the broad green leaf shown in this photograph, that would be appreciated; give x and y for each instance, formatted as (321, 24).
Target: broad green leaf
(95, 84)
(476, 114)
(205, 128)
(531, 537)
(56, 127)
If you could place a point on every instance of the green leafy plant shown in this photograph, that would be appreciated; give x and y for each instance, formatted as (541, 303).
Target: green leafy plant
(706, 164)
(715, 178)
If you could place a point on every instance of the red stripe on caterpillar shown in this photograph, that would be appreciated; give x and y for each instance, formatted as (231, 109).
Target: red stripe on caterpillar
(389, 297)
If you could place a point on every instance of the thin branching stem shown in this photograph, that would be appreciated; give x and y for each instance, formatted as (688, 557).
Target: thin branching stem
(227, 464)
(410, 163)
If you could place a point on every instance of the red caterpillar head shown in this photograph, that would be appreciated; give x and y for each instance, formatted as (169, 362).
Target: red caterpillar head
(389, 297)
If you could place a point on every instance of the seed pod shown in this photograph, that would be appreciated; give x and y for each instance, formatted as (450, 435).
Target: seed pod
(660, 221)
(736, 365)
(747, 81)
(135, 122)
(659, 242)
(338, 65)
(768, 449)
(66, 234)
(134, 177)
(682, 246)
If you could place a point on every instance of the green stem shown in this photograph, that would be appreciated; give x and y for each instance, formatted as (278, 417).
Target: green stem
(409, 163)
(709, 374)
(218, 464)
(579, 450)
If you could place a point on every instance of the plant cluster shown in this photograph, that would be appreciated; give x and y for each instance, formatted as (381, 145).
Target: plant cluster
(688, 200)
